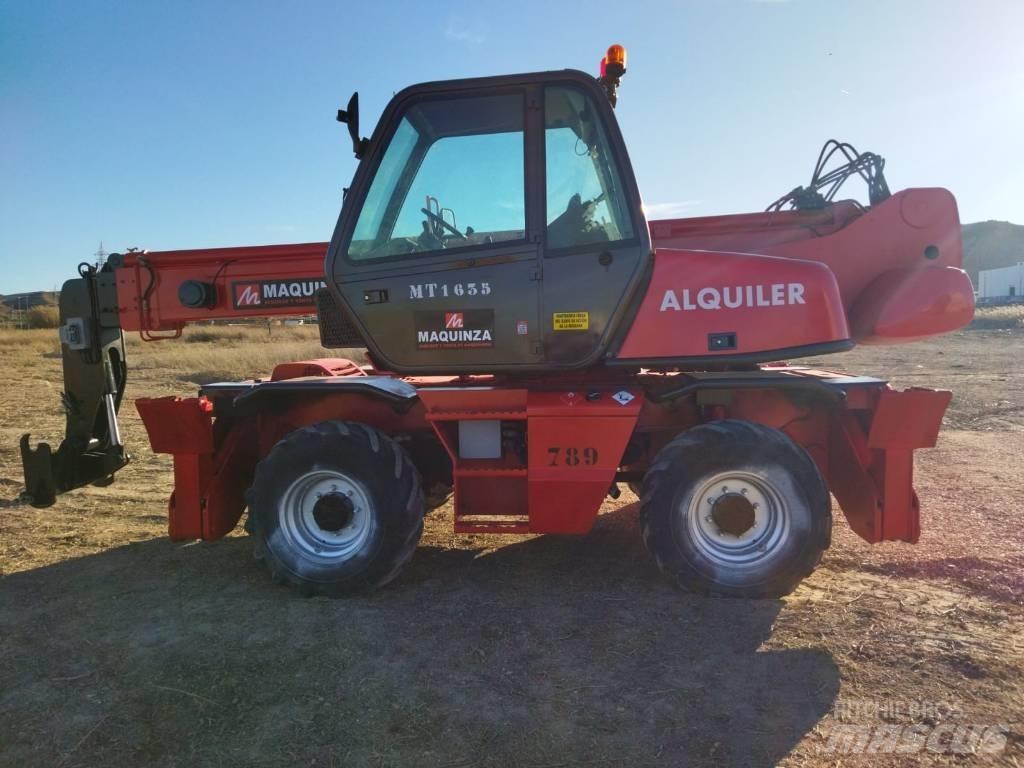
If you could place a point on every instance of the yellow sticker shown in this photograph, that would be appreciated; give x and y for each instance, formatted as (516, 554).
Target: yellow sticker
(571, 321)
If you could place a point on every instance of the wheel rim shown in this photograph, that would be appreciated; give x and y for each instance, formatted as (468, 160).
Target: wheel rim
(737, 519)
(326, 514)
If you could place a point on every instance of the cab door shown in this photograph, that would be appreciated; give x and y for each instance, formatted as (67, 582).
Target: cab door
(436, 256)
(596, 243)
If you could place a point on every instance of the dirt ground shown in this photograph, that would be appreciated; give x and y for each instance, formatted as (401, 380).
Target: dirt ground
(118, 647)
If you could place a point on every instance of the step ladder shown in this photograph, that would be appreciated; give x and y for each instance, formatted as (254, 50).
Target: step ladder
(490, 495)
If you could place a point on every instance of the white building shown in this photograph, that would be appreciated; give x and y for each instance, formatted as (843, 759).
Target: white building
(1002, 283)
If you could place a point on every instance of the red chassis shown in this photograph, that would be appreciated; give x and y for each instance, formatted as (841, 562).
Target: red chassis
(581, 432)
(860, 432)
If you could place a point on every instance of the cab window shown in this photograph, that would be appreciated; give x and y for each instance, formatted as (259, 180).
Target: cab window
(585, 202)
(451, 177)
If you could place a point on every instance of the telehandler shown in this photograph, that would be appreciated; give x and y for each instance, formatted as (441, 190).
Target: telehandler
(534, 341)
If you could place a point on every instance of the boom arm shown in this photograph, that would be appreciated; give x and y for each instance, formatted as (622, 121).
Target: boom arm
(157, 294)
(163, 291)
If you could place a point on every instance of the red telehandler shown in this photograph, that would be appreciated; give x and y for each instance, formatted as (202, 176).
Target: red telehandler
(533, 341)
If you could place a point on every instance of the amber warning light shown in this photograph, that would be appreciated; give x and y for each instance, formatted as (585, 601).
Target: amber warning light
(613, 67)
(614, 59)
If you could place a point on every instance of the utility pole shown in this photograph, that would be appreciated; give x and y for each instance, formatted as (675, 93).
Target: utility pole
(20, 313)
(101, 256)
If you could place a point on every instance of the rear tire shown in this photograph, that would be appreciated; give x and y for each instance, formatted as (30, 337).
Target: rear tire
(335, 508)
(735, 509)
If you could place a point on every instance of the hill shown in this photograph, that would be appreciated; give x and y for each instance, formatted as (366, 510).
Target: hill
(991, 244)
(15, 301)
(29, 300)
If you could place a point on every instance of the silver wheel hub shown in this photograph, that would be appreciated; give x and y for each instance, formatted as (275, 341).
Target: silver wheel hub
(326, 514)
(736, 518)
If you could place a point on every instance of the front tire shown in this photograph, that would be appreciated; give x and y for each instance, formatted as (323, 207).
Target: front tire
(335, 508)
(735, 509)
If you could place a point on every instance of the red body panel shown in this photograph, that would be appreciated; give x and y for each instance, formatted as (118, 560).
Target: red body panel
(575, 446)
(324, 366)
(212, 465)
(904, 305)
(871, 473)
(856, 245)
(898, 263)
(575, 449)
(184, 427)
(757, 303)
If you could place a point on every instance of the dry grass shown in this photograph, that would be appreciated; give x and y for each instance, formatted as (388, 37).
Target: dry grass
(218, 353)
(120, 648)
(210, 353)
(33, 341)
(1006, 317)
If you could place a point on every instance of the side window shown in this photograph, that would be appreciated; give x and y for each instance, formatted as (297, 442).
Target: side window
(375, 207)
(585, 202)
(451, 177)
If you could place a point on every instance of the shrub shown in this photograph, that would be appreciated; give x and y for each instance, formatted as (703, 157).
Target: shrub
(43, 317)
(223, 334)
(999, 318)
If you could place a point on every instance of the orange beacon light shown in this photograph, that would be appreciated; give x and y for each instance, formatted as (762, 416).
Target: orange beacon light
(613, 67)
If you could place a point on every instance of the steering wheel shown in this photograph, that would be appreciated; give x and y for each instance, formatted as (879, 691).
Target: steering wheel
(440, 220)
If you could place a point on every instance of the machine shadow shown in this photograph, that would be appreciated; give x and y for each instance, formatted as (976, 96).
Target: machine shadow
(547, 650)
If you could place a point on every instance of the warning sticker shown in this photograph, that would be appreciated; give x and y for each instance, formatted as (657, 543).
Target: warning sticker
(571, 321)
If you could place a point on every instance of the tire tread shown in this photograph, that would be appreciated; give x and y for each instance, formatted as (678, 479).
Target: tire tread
(407, 488)
(728, 437)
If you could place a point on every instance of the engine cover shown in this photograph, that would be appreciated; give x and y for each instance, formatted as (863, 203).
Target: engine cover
(709, 304)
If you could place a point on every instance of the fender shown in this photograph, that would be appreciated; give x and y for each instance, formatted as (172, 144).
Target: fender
(217, 439)
(247, 394)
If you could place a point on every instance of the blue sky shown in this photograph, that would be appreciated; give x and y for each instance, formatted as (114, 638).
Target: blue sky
(193, 124)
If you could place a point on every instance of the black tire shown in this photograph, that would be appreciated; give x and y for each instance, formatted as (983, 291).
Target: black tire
(335, 508)
(735, 509)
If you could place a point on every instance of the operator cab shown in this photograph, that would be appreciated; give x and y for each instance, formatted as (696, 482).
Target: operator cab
(492, 224)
